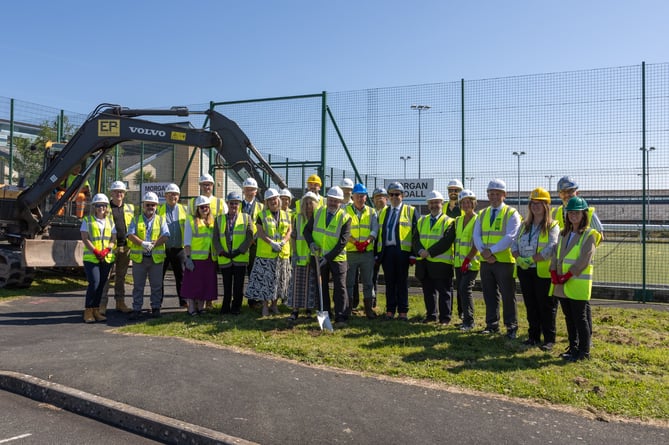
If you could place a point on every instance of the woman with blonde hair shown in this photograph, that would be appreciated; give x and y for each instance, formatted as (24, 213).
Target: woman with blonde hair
(533, 249)
(199, 282)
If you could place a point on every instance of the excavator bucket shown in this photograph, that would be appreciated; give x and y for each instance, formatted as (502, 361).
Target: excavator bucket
(53, 253)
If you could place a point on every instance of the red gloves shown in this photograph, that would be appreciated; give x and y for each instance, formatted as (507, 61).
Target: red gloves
(97, 252)
(361, 246)
(465, 265)
(101, 254)
(563, 279)
(555, 279)
(105, 252)
(412, 260)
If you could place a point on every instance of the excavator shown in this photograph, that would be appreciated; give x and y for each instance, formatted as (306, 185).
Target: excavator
(34, 234)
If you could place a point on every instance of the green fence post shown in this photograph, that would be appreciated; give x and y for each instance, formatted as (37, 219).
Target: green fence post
(11, 140)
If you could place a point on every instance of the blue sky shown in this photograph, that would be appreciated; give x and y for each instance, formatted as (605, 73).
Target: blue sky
(75, 54)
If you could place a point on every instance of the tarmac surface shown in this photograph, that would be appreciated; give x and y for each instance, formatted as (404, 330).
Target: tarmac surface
(176, 391)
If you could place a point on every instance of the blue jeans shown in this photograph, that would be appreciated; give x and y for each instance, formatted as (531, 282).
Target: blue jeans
(97, 275)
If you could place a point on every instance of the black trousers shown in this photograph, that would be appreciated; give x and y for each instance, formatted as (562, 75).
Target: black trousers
(174, 257)
(437, 281)
(395, 264)
(497, 281)
(337, 270)
(233, 288)
(576, 317)
(541, 308)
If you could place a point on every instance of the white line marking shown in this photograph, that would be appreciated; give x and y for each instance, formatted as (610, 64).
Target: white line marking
(22, 436)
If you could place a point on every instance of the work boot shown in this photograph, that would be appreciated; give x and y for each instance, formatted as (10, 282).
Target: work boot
(88, 315)
(97, 315)
(103, 309)
(369, 309)
(121, 307)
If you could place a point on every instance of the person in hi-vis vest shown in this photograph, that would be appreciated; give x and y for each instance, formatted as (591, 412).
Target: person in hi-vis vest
(571, 273)
(496, 228)
(233, 235)
(147, 235)
(466, 259)
(433, 241)
(98, 234)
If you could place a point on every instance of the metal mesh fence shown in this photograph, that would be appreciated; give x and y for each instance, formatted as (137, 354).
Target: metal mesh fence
(606, 128)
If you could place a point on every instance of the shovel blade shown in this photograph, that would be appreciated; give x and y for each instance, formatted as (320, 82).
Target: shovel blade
(324, 321)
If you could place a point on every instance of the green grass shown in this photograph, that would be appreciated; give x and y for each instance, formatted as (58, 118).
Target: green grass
(620, 262)
(627, 375)
(48, 281)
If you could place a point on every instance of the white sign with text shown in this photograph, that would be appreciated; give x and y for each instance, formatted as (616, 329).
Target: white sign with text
(415, 190)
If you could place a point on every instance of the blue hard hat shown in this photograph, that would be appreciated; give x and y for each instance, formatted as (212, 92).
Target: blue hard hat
(379, 191)
(234, 196)
(359, 189)
(566, 183)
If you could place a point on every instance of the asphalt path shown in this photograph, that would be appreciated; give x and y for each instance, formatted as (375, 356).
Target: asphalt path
(275, 401)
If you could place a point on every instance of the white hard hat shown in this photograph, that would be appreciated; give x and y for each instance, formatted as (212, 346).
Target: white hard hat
(455, 183)
(271, 193)
(250, 183)
(286, 192)
(346, 183)
(118, 185)
(100, 198)
(336, 193)
(310, 195)
(201, 201)
(172, 188)
(206, 178)
(466, 194)
(151, 197)
(435, 195)
(497, 184)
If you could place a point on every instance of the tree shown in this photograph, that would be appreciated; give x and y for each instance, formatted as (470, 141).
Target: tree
(144, 176)
(29, 157)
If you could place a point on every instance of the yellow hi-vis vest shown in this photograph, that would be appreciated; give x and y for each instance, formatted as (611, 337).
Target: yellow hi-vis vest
(430, 236)
(464, 241)
(128, 214)
(405, 220)
(275, 230)
(360, 227)
(578, 287)
(239, 228)
(543, 266)
(182, 215)
(492, 234)
(202, 236)
(302, 250)
(99, 240)
(216, 206)
(136, 250)
(256, 208)
(327, 236)
(558, 215)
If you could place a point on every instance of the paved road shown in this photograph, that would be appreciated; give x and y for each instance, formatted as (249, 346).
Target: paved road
(272, 401)
(26, 422)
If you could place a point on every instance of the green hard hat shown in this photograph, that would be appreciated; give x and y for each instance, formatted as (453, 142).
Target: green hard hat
(577, 203)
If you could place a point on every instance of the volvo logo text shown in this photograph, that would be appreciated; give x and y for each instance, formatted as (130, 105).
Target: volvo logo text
(148, 131)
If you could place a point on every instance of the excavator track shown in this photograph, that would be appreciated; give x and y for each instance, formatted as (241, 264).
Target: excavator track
(13, 274)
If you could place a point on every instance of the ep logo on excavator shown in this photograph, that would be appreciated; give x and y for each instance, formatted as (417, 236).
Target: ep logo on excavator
(109, 127)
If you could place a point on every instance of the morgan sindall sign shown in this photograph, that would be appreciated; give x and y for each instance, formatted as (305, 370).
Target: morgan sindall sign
(415, 190)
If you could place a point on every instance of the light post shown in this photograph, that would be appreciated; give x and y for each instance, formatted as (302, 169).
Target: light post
(420, 109)
(470, 179)
(518, 154)
(549, 177)
(405, 159)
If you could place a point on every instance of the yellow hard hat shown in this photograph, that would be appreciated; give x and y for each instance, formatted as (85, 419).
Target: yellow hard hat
(540, 194)
(315, 178)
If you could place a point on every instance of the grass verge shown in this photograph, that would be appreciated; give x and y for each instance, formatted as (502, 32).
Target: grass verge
(627, 375)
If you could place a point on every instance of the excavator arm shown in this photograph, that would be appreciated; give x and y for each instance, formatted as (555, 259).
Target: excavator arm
(102, 130)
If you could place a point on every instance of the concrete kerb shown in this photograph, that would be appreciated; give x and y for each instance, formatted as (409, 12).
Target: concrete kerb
(154, 426)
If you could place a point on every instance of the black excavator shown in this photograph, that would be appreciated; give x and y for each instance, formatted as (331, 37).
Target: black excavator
(32, 235)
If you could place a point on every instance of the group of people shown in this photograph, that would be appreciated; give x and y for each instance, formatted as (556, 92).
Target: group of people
(291, 256)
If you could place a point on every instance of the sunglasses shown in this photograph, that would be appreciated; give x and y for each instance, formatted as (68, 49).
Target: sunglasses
(203, 207)
(394, 194)
(100, 206)
(149, 204)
